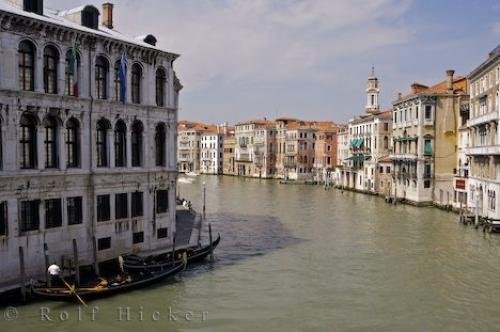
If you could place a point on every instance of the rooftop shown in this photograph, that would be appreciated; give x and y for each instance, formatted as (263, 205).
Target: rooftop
(57, 17)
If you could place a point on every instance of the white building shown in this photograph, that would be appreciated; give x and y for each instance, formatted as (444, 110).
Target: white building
(484, 138)
(368, 139)
(189, 146)
(76, 163)
(212, 147)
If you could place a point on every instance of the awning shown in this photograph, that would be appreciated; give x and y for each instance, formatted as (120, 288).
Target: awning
(357, 143)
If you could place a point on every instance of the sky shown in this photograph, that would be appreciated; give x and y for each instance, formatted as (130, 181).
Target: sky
(310, 59)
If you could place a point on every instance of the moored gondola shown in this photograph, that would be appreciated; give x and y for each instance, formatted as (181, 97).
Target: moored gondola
(193, 254)
(105, 287)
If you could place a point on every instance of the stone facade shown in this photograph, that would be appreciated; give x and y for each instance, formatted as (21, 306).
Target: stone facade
(365, 141)
(211, 152)
(82, 166)
(425, 131)
(228, 163)
(483, 149)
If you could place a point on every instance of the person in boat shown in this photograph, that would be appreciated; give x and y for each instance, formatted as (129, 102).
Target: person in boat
(54, 271)
(120, 263)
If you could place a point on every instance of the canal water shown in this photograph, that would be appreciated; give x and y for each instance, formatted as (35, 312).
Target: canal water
(299, 258)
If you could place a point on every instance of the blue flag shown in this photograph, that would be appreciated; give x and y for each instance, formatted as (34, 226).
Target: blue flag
(123, 78)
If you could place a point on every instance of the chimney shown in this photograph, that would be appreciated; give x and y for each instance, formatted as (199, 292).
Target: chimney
(107, 15)
(449, 79)
(400, 95)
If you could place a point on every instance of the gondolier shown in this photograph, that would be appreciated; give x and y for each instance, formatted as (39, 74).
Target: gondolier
(54, 271)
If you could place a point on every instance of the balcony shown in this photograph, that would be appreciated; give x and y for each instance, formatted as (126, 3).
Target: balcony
(483, 150)
(243, 157)
(403, 156)
(290, 164)
(485, 118)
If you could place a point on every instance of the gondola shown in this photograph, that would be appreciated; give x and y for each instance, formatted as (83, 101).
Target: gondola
(106, 288)
(137, 263)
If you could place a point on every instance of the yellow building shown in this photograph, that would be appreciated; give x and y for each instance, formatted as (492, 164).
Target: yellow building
(425, 134)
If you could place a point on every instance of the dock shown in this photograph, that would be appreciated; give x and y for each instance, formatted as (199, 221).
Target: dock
(188, 227)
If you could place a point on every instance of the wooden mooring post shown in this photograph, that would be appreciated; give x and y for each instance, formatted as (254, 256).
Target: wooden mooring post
(211, 245)
(94, 255)
(76, 263)
(22, 277)
(461, 214)
(47, 263)
(173, 247)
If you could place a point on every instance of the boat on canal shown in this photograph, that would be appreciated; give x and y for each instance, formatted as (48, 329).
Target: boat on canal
(104, 287)
(193, 254)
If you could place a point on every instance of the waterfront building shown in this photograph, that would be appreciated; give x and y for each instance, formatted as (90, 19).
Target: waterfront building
(425, 131)
(299, 151)
(383, 182)
(484, 140)
(254, 148)
(211, 151)
(461, 181)
(281, 137)
(342, 153)
(369, 139)
(88, 139)
(229, 144)
(189, 145)
(325, 150)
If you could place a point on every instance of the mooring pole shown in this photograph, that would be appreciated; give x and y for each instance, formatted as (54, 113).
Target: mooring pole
(460, 218)
(47, 263)
(22, 276)
(204, 198)
(94, 254)
(211, 245)
(76, 263)
(173, 247)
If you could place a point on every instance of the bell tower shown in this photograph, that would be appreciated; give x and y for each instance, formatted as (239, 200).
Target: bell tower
(372, 92)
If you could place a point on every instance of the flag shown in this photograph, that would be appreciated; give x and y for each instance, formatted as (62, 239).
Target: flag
(74, 68)
(123, 78)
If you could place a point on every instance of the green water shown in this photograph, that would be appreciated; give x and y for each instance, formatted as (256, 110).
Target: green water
(299, 258)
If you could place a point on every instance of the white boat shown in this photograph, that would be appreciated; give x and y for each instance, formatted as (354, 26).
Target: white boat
(185, 180)
(191, 173)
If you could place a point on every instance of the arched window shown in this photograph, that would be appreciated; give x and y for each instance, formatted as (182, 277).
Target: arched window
(120, 144)
(102, 142)
(136, 83)
(160, 138)
(160, 87)
(72, 69)
(27, 141)
(101, 77)
(386, 142)
(50, 63)
(50, 142)
(72, 136)
(117, 80)
(26, 66)
(137, 144)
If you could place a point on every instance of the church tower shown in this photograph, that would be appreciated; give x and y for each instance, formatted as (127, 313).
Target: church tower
(372, 92)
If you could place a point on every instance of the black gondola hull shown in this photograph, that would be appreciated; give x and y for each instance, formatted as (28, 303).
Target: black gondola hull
(195, 256)
(44, 293)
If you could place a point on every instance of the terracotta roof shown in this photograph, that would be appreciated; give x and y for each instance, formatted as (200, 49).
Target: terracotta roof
(184, 125)
(459, 85)
(263, 122)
